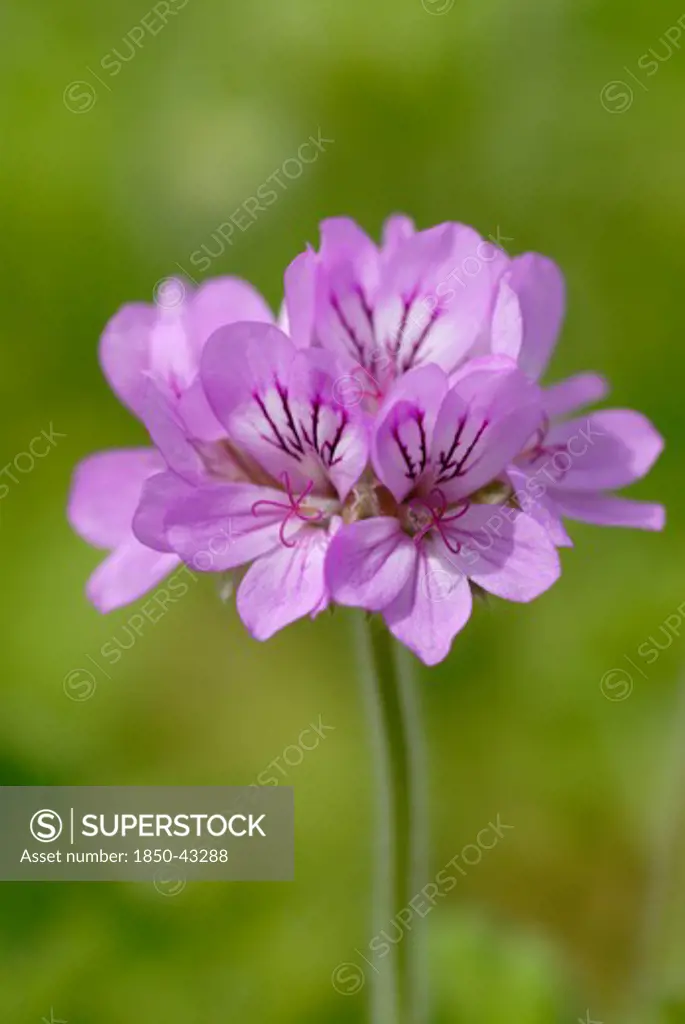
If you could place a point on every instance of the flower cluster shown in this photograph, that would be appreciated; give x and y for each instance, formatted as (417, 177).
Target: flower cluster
(383, 443)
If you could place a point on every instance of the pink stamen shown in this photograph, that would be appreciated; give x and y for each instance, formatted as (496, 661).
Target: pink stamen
(436, 508)
(292, 508)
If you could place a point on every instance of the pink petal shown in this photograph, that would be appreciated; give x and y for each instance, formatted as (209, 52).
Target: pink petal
(506, 329)
(569, 395)
(348, 255)
(279, 404)
(606, 510)
(240, 359)
(484, 423)
(160, 494)
(125, 352)
(182, 330)
(418, 263)
(173, 361)
(504, 551)
(347, 281)
(529, 312)
(435, 296)
(397, 229)
(369, 562)
(222, 301)
(195, 413)
(488, 363)
(434, 605)
(405, 423)
(165, 343)
(219, 528)
(534, 497)
(284, 585)
(602, 451)
(166, 426)
(300, 298)
(128, 573)
(105, 492)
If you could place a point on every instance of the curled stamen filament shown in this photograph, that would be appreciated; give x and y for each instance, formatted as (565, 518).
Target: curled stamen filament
(292, 508)
(436, 506)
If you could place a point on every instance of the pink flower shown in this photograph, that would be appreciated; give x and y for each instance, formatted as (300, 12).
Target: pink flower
(422, 297)
(144, 348)
(436, 515)
(300, 454)
(388, 446)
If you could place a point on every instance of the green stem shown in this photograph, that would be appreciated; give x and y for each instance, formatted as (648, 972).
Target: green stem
(399, 994)
(648, 975)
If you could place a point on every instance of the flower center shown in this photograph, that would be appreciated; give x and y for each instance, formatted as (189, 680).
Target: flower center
(421, 515)
(367, 499)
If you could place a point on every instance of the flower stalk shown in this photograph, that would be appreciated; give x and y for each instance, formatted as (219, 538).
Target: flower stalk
(656, 928)
(399, 992)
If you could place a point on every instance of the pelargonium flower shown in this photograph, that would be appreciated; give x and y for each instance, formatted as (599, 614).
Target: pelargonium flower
(387, 446)
(148, 346)
(440, 296)
(300, 454)
(436, 513)
(422, 297)
(421, 511)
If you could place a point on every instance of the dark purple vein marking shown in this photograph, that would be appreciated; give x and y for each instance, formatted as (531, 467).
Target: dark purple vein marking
(420, 342)
(357, 345)
(329, 448)
(279, 442)
(460, 468)
(283, 395)
(395, 346)
(413, 470)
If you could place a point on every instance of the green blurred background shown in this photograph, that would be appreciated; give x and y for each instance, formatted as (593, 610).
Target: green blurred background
(491, 112)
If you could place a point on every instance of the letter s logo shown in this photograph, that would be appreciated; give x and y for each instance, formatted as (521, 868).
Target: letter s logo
(46, 826)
